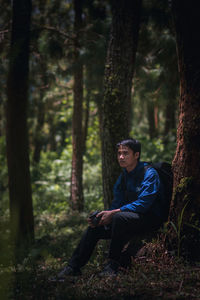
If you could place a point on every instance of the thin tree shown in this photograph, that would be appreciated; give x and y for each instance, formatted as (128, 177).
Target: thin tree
(77, 139)
(86, 109)
(21, 210)
(117, 86)
(186, 164)
(38, 136)
(42, 69)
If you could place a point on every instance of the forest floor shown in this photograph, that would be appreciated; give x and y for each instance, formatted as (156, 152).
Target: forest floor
(152, 276)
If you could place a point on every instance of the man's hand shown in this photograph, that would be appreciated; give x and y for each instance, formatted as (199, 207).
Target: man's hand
(90, 223)
(106, 216)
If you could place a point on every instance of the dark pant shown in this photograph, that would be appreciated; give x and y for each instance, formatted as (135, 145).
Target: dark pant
(124, 226)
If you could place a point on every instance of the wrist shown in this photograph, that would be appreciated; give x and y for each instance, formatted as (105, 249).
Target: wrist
(114, 211)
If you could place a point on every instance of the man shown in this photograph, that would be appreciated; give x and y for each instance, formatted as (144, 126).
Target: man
(136, 209)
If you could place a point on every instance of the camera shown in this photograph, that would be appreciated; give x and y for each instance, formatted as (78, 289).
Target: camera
(93, 217)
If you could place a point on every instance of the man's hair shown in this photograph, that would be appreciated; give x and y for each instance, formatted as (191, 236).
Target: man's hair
(132, 144)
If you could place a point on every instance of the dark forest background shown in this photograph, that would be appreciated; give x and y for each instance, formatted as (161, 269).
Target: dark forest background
(76, 77)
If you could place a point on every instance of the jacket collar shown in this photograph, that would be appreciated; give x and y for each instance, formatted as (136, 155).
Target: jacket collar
(139, 166)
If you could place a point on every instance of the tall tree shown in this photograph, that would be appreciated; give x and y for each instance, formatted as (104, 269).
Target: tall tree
(170, 108)
(186, 163)
(156, 76)
(21, 210)
(117, 86)
(77, 139)
(41, 63)
(38, 136)
(86, 109)
(152, 118)
(97, 39)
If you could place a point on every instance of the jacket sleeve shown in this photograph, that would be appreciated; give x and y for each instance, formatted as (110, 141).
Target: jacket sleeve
(147, 194)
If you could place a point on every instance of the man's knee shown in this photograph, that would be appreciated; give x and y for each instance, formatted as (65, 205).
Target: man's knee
(93, 231)
(118, 219)
(125, 221)
(123, 217)
(97, 232)
(118, 216)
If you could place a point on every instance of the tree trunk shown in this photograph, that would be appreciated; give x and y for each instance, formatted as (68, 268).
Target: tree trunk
(77, 139)
(38, 136)
(117, 87)
(86, 109)
(38, 131)
(21, 210)
(186, 163)
(171, 106)
(151, 114)
(1, 117)
(52, 145)
(170, 110)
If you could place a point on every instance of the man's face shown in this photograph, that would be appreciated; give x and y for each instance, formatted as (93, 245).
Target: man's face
(127, 158)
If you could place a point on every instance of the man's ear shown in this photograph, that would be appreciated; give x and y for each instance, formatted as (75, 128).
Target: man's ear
(137, 154)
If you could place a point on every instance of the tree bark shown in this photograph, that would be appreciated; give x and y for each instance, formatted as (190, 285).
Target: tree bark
(171, 106)
(186, 163)
(117, 87)
(40, 103)
(86, 109)
(38, 131)
(38, 136)
(77, 139)
(170, 123)
(52, 145)
(21, 210)
(151, 114)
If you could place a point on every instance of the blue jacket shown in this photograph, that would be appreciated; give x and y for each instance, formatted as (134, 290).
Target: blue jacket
(142, 196)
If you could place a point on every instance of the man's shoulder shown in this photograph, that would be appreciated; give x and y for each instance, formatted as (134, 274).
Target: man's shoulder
(150, 171)
(145, 167)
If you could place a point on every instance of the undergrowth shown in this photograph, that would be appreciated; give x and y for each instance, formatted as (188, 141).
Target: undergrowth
(154, 273)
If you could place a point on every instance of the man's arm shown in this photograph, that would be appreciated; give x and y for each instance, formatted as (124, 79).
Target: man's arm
(106, 216)
(147, 194)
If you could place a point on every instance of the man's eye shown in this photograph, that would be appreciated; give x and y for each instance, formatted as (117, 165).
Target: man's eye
(123, 153)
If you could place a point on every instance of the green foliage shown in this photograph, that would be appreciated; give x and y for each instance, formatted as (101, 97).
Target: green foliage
(51, 177)
(156, 150)
(93, 144)
(178, 229)
(92, 185)
(156, 78)
(51, 182)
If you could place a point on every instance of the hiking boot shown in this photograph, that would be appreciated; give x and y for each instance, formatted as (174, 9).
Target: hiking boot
(111, 269)
(67, 271)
